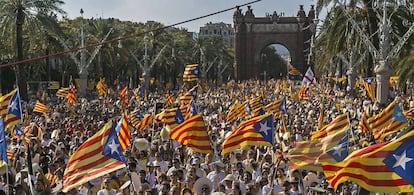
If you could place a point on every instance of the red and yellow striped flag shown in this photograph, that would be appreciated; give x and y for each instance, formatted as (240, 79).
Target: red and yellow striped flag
(273, 106)
(235, 111)
(369, 87)
(147, 120)
(169, 98)
(305, 93)
(389, 120)
(89, 161)
(42, 108)
(124, 133)
(63, 92)
(188, 96)
(101, 87)
(366, 168)
(309, 155)
(5, 101)
(338, 123)
(193, 133)
(363, 122)
(71, 94)
(245, 135)
(171, 117)
(124, 96)
(255, 103)
(191, 72)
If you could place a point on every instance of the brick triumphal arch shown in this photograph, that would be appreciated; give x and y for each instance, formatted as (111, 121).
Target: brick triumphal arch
(252, 34)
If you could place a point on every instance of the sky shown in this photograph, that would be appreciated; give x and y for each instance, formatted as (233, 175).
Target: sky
(170, 12)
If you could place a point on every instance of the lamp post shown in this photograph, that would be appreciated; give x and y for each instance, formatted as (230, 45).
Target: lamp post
(146, 69)
(83, 72)
(384, 55)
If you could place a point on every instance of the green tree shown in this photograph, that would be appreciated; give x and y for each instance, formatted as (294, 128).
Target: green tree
(14, 14)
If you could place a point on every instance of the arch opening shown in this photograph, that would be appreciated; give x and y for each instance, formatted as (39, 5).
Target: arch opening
(273, 61)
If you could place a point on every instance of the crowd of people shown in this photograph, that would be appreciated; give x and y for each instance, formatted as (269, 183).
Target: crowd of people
(158, 165)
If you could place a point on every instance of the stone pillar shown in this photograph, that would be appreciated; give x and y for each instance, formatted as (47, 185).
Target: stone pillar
(83, 79)
(351, 80)
(382, 72)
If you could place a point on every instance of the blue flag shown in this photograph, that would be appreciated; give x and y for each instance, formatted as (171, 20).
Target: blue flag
(193, 109)
(195, 72)
(248, 109)
(178, 116)
(112, 148)
(397, 114)
(14, 105)
(265, 128)
(401, 161)
(140, 92)
(340, 151)
(19, 132)
(3, 146)
(282, 106)
(194, 93)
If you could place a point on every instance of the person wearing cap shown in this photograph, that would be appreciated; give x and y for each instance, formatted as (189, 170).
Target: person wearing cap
(217, 175)
(228, 183)
(163, 166)
(203, 186)
(175, 166)
(195, 165)
(152, 174)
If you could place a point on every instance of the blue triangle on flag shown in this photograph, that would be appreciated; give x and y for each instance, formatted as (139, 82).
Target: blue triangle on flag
(195, 71)
(265, 128)
(340, 151)
(401, 160)
(248, 109)
(282, 106)
(178, 116)
(397, 114)
(193, 109)
(14, 105)
(112, 148)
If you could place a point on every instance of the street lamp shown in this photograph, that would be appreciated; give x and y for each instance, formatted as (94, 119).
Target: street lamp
(383, 55)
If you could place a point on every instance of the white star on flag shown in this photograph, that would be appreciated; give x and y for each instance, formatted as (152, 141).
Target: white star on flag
(264, 128)
(338, 150)
(113, 146)
(12, 106)
(401, 160)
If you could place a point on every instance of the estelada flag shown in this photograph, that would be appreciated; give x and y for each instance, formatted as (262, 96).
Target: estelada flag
(97, 156)
(193, 133)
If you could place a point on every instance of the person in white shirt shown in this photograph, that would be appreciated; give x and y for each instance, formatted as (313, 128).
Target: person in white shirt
(106, 189)
(217, 175)
(163, 165)
(175, 166)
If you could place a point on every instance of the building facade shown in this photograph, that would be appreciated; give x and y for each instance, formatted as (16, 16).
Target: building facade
(225, 31)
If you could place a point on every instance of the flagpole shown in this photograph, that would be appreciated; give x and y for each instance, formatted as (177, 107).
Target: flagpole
(7, 178)
(20, 106)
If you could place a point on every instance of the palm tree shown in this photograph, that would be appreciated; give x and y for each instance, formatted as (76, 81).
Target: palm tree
(338, 35)
(33, 13)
